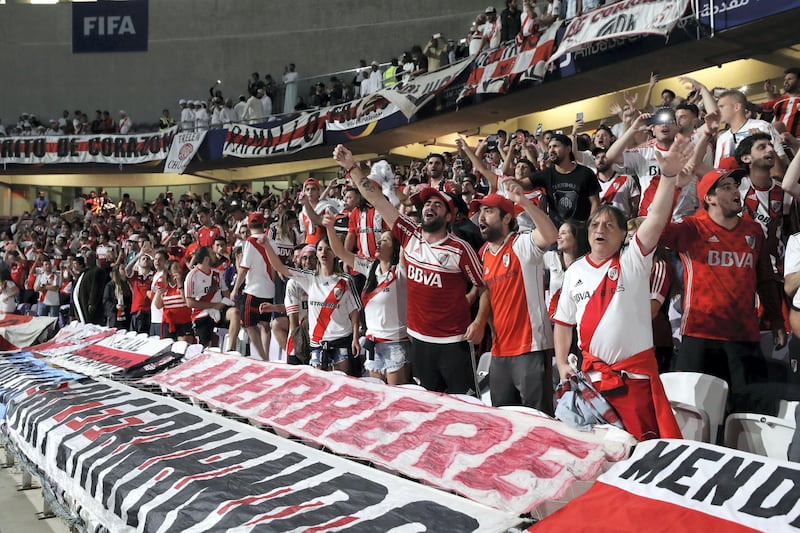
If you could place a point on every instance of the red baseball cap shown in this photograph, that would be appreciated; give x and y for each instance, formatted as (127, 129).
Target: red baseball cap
(425, 194)
(728, 163)
(495, 200)
(255, 219)
(313, 182)
(710, 180)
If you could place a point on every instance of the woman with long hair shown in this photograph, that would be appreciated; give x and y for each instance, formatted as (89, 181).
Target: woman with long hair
(117, 299)
(572, 243)
(176, 314)
(384, 299)
(333, 308)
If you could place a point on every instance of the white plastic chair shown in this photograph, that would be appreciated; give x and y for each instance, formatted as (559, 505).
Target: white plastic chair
(693, 422)
(702, 391)
(180, 347)
(759, 434)
(193, 350)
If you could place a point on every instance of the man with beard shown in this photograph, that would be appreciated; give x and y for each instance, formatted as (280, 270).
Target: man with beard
(572, 189)
(513, 271)
(434, 170)
(641, 161)
(785, 107)
(616, 189)
(440, 269)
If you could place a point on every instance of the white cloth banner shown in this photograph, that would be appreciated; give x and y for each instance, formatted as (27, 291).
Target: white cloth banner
(412, 95)
(292, 136)
(507, 460)
(620, 20)
(184, 146)
(340, 119)
(122, 149)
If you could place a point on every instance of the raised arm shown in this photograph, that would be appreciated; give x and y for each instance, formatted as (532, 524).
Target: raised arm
(616, 152)
(661, 209)
(477, 163)
(545, 232)
(339, 250)
(709, 102)
(369, 190)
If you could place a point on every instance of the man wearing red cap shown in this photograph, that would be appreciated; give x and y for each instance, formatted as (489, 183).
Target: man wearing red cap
(725, 264)
(514, 275)
(440, 270)
(256, 274)
(313, 209)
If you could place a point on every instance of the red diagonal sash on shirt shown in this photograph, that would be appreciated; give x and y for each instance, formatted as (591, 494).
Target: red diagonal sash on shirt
(325, 313)
(598, 303)
(612, 190)
(390, 278)
(253, 240)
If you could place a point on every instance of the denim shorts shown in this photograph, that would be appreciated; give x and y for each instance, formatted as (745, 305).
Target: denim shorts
(335, 356)
(389, 357)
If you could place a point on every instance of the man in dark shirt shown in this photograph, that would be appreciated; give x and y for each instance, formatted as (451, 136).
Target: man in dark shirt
(573, 191)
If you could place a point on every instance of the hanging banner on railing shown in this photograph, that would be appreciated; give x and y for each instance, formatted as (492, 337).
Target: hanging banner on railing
(620, 20)
(184, 146)
(303, 131)
(345, 124)
(127, 460)
(687, 486)
(516, 462)
(737, 12)
(412, 95)
(496, 70)
(65, 149)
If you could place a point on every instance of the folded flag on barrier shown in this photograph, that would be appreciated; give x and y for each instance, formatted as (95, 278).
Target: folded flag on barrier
(507, 460)
(127, 460)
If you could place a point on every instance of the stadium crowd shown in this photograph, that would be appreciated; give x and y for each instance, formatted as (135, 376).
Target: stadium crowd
(565, 246)
(261, 99)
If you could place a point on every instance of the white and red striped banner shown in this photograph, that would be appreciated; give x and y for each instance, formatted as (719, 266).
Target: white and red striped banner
(303, 131)
(507, 460)
(63, 149)
(685, 486)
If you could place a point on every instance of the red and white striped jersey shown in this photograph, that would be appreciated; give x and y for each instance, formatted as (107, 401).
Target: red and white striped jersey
(439, 275)
(367, 225)
(785, 109)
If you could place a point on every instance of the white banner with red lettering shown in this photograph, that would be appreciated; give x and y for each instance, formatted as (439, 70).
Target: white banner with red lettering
(303, 131)
(507, 460)
(619, 20)
(687, 486)
(184, 147)
(120, 351)
(411, 95)
(122, 149)
(497, 69)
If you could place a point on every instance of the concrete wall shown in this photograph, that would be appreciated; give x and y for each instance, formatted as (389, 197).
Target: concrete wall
(192, 43)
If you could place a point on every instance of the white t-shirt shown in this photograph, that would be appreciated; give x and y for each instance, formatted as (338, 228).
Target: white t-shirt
(259, 277)
(792, 263)
(385, 306)
(50, 297)
(729, 140)
(156, 314)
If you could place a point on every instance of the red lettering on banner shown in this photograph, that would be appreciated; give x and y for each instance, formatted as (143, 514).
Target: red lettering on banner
(69, 411)
(291, 510)
(240, 378)
(336, 407)
(128, 421)
(440, 448)
(258, 383)
(209, 375)
(524, 454)
(250, 500)
(79, 423)
(393, 419)
(288, 397)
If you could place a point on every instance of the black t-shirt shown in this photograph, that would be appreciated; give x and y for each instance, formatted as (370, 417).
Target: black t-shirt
(568, 194)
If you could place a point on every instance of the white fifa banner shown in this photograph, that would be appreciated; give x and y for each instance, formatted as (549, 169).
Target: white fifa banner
(184, 146)
(620, 20)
